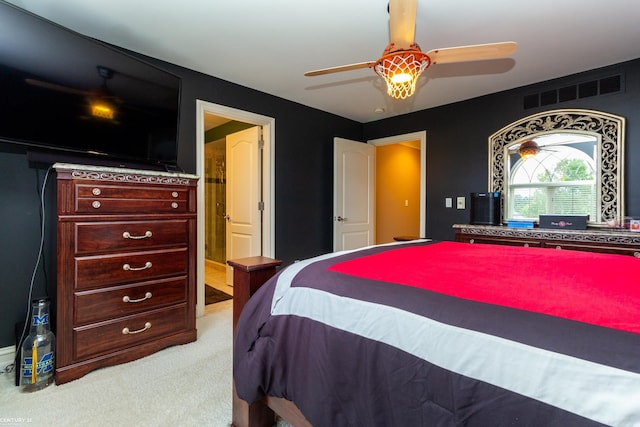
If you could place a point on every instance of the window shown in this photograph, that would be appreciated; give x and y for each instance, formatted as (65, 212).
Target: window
(578, 167)
(559, 179)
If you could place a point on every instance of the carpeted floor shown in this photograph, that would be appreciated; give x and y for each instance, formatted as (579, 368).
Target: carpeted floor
(184, 385)
(213, 295)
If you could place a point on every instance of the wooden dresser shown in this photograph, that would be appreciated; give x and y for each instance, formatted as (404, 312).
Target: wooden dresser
(621, 242)
(126, 265)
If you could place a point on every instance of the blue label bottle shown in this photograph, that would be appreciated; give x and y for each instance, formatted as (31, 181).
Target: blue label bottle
(37, 361)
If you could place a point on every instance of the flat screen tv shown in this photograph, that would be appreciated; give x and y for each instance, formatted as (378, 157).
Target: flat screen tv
(69, 96)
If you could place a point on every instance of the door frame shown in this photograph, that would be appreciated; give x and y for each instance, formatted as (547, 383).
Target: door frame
(413, 136)
(268, 182)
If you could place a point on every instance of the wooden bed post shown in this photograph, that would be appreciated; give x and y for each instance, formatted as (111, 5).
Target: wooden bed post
(248, 275)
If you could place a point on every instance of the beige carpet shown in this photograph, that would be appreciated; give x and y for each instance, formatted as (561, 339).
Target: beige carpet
(187, 385)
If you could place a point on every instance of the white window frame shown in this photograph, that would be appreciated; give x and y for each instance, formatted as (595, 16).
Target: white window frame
(546, 186)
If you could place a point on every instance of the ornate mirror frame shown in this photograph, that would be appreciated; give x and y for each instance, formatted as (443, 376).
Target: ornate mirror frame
(608, 130)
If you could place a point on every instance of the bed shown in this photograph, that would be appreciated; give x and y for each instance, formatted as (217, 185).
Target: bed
(444, 334)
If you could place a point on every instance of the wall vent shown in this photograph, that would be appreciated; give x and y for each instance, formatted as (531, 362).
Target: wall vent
(588, 89)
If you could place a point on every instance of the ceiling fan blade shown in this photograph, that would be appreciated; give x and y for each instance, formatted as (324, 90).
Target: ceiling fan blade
(56, 87)
(472, 53)
(402, 22)
(340, 68)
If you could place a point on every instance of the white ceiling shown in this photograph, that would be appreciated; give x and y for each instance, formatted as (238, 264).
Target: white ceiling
(268, 44)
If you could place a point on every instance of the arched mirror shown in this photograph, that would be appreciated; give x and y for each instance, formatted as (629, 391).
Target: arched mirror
(567, 162)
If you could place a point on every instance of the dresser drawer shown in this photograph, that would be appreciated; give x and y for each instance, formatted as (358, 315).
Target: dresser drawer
(100, 304)
(92, 237)
(500, 241)
(105, 270)
(124, 206)
(134, 199)
(593, 247)
(137, 192)
(107, 337)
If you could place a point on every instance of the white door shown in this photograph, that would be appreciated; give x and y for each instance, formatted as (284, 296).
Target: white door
(244, 214)
(353, 193)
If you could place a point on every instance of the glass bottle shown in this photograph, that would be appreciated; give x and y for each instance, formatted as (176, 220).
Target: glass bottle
(37, 360)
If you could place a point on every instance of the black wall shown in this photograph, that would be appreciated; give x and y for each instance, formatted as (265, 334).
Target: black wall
(20, 231)
(456, 165)
(457, 138)
(304, 180)
(304, 158)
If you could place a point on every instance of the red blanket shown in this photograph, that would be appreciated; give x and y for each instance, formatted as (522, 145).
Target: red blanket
(599, 289)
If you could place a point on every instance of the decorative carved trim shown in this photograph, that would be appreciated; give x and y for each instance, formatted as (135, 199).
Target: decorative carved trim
(608, 128)
(584, 236)
(128, 177)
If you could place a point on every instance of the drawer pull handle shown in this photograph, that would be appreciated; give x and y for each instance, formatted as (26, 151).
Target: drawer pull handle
(558, 247)
(96, 204)
(96, 192)
(174, 194)
(127, 267)
(636, 254)
(126, 298)
(472, 241)
(126, 331)
(128, 235)
(174, 205)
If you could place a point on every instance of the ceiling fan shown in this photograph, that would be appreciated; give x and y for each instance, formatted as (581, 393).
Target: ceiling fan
(100, 100)
(526, 149)
(551, 145)
(403, 61)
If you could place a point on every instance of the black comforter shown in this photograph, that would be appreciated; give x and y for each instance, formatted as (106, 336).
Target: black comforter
(349, 350)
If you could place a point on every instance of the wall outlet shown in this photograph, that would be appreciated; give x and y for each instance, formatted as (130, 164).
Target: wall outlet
(460, 202)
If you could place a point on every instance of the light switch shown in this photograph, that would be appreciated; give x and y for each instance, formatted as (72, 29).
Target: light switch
(448, 202)
(460, 202)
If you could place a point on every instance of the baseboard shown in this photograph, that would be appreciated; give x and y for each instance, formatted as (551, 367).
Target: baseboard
(215, 265)
(7, 356)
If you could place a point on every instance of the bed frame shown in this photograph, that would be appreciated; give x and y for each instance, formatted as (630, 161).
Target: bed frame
(248, 275)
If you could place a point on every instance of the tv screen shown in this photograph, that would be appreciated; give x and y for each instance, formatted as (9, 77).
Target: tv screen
(63, 92)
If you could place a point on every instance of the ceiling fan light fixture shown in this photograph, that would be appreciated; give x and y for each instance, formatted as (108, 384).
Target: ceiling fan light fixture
(100, 105)
(401, 77)
(102, 109)
(400, 69)
(528, 149)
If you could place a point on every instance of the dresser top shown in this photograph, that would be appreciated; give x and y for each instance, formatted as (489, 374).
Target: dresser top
(116, 170)
(618, 235)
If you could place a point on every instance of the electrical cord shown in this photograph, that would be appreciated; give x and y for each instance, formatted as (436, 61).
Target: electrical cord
(43, 255)
(35, 268)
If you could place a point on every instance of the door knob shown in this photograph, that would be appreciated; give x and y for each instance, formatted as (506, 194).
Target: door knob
(341, 219)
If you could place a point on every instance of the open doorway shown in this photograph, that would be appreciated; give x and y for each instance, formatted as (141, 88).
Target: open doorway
(355, 216)
(397, 192)
(209, 168)
(401, 197)
(217, 131)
